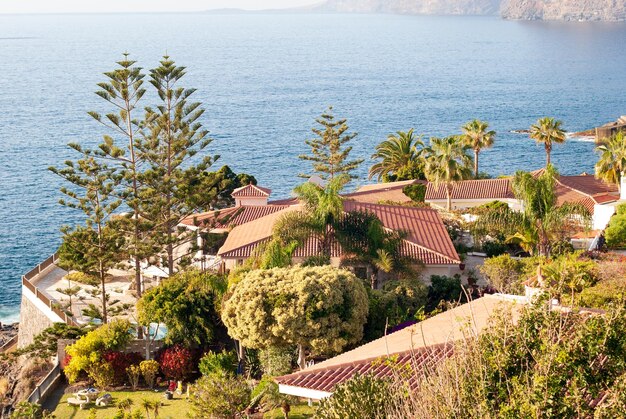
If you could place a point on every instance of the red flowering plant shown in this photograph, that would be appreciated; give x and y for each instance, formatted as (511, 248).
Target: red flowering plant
(120, 361)
(176, 362)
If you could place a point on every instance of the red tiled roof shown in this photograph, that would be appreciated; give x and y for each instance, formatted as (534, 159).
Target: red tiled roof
(251, 191)
(427, 238)
(473, 189)
(231, 217)
(423, 226)
(588, 184)
(426, 342)
(419, 361)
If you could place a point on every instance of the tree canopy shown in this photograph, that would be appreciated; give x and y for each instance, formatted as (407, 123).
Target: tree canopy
(318, 308)
(329, 153)
(400, 158)
(477, 136)
(188, 304)
(547, 131)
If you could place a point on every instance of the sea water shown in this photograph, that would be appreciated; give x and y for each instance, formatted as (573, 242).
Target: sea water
(264, 78)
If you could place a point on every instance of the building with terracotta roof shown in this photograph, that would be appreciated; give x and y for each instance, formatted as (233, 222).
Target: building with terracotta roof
(599, 197)
(420, 347)
(427, 239)
(251, 222)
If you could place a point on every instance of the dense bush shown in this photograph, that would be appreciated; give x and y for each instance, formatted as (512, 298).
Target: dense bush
(149, 370)
(359, 397)
(188, 304)
(222, 362)
(318, 308)
(219, 396)
(417, 193)
(277, 361)
(176, 362)
(397, 302)
(494, 248)
(446, 289)
(102, 374)
(505, 274)
(604, 294)
(120, 361)
(88, 350)
(615, 233)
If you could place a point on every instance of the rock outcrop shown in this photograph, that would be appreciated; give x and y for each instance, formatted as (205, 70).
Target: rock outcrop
(572, 10)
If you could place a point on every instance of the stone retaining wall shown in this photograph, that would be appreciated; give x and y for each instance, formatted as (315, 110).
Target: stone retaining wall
(32, 322)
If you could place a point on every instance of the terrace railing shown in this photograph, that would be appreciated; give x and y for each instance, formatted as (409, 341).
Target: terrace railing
(47, 384)
(54, 305)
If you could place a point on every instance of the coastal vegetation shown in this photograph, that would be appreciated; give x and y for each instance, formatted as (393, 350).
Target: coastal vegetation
(477, 136)
(547, 131)
(542, 222)
(611, 164)
(400, 158)
(228, 334)
(447, 164)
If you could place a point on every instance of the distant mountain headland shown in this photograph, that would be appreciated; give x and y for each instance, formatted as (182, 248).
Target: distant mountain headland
(570, 10)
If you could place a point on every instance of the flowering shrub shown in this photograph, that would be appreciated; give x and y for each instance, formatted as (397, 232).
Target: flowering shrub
(120, 362)
(88, 350)
(134, 373)
(149, 370)
(176, 362)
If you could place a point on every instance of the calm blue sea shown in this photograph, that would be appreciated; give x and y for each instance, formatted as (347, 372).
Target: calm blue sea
(264, 78)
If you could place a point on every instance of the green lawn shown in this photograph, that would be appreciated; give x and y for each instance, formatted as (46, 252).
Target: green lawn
(301, 411)
(170, 409)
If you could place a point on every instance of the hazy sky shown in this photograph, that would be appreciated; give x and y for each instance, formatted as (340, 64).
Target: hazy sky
(95, 6)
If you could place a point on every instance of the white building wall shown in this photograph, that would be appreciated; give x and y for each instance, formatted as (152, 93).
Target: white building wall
(251, 201)
(601, 215)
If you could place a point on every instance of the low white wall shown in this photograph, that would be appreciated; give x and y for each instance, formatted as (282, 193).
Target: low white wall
(601, 216)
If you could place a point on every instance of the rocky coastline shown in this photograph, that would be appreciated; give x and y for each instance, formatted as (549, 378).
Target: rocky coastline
(7, 333)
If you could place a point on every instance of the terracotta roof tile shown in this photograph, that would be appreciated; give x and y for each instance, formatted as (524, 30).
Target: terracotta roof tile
(419, 362)
(231, 217)
(427, 238)
(473, 189)
(251, 191)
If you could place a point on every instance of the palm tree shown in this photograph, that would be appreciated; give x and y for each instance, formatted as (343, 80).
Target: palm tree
(542, 221)
(477, 137)
(447, 164)
(365, 241)
(612, 162)
(547, 131)
(322, 206)
(399, 157)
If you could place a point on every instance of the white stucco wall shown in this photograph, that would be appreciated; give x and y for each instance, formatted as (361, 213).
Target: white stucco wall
(601, 215)
(250, 201)
(470, 203)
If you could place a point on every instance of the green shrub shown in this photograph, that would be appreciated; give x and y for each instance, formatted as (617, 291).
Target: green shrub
(444, 288)
(222, 362)
(276, 361)
(359, 397)
(494, 248)
(396, 303)
(219, 396)
(615, 233)
(417, 193)
(102, 374)
(88, 350)
(149, 370)
(134, 373)
(504, 274)
(561, 247)
(604, 293)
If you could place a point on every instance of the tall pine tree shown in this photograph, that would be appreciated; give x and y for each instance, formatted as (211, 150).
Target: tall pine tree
(329, 155)
(97, 246)
(171, 137)
(124, 90)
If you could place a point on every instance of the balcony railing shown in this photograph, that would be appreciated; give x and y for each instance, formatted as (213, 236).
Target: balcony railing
(27, 281)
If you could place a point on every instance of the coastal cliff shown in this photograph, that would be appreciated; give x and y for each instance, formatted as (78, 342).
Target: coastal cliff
(576, 10)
